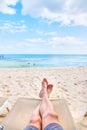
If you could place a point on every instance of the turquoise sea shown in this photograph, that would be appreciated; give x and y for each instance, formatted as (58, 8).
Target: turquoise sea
(42, 61)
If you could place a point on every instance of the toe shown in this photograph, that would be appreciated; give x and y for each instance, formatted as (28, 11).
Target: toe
(44, 82)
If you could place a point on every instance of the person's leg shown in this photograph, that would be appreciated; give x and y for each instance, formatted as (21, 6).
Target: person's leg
(46, 109)
(35, 121)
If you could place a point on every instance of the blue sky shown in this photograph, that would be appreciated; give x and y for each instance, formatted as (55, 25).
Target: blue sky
(43, 27)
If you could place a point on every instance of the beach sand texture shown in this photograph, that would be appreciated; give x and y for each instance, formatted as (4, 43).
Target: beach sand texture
(69, 83)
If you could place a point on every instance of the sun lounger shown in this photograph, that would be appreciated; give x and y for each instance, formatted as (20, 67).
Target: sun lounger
(20, 114)
(4, 106)
(2, 100)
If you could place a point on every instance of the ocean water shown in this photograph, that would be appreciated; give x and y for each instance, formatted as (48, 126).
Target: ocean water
(42, 61)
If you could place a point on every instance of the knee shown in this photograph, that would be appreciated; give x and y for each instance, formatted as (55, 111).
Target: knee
(35, 120)
(51, 115)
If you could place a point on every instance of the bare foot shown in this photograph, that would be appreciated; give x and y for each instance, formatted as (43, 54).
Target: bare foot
(49, 89)
(46, 88)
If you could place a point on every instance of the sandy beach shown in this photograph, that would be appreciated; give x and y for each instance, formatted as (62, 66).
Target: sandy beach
(70, 84)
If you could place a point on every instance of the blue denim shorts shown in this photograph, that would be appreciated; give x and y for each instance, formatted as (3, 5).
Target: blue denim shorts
(51, 126)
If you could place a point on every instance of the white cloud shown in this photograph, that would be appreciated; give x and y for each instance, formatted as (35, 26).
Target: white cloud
(13, 27)
(55, 41)
(54, 45)
(34, 40)
(28, 45)
(5, 6)
(51, 33)
(67, 12)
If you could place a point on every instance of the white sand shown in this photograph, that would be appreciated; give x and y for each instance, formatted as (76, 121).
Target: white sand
(70, 84)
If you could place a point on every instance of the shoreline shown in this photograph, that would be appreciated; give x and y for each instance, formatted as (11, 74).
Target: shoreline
(45, 68)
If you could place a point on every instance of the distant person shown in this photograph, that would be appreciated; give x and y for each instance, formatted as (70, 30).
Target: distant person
(44, 116)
